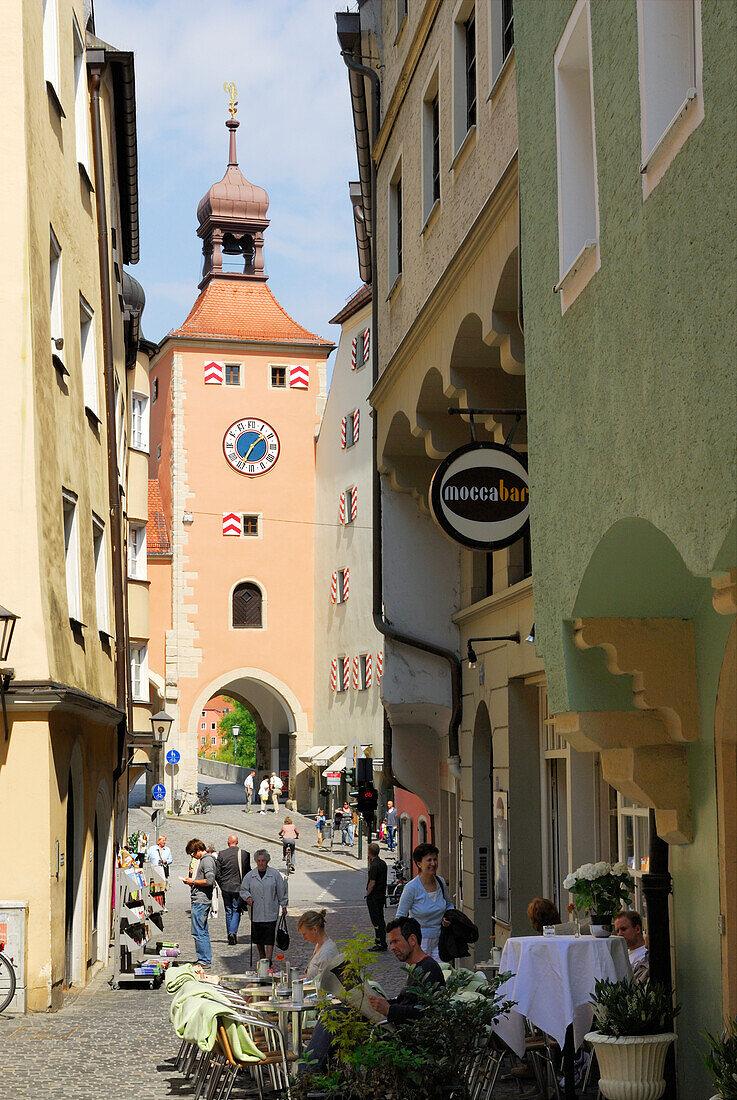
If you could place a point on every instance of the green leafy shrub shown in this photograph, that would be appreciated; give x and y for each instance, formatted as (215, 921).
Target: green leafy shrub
(721, 1061)
(633, 1008)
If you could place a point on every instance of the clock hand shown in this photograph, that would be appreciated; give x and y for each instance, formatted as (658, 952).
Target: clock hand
(258, 440)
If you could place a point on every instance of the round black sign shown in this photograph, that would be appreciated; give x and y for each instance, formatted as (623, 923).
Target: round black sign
(480, 496)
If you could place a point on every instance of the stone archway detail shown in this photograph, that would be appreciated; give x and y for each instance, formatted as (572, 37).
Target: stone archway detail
(643, 751)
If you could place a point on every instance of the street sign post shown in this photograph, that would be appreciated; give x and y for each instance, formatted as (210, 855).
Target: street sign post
(173, 757)
(158, 803)
(333, 779)
(159, 792)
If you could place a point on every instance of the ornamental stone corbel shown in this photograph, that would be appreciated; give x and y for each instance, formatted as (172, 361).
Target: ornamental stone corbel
(724, 596)
(600, 730)
(656, 776)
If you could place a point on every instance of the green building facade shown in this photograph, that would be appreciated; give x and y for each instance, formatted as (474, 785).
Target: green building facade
(628, 170)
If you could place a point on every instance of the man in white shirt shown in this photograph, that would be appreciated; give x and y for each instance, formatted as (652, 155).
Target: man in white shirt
(249, 791)
(276, 788)
(628, 925)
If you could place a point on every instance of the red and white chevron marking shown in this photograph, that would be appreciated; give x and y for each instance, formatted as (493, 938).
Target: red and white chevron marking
(343, 431)
(355, 673)
(379, 665)
(354, 503)
(354, 345)
(366, 344)
(232, 523)
(341, 508)
(346, 673)
(214, 372)
(334, 587)
(334, 674)
(299, 378)
(368, 670)
(346, 583)
(356, 424)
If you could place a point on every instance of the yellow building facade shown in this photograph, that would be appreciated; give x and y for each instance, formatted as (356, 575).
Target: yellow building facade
(71, 325)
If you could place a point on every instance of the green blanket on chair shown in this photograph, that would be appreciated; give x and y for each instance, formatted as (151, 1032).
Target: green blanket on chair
(198, 1007)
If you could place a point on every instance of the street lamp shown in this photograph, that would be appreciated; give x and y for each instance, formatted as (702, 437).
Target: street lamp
(161, 724)
(471, 655)
(7, 625)
(236, 732)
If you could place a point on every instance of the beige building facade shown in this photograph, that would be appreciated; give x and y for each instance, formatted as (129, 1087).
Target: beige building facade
(69, 225)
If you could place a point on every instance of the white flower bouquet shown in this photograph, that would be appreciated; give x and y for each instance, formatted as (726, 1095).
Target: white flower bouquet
(601, 889)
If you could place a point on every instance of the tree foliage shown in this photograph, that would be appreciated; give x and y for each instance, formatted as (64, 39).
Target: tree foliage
(246, 741)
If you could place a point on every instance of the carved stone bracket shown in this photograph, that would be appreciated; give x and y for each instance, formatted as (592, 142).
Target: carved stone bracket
(724, 596)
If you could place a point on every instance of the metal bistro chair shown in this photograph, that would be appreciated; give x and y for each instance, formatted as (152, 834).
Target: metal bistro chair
(273, 1067)
(483, 1069)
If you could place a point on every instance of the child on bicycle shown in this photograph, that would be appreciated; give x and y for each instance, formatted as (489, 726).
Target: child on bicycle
(289, 834)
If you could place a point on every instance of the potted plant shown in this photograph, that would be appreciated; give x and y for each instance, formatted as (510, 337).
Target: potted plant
(721, 1061)
(602, 889)
(634, 1022)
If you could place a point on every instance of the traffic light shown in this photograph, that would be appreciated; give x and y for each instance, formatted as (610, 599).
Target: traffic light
(367, 801)
(365, 770)
(350, 777)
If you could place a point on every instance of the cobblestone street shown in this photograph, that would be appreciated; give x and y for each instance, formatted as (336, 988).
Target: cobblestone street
(105, 1042)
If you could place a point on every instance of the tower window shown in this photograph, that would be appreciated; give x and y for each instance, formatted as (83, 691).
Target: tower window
(470, 32)
(232, 374)
(247, 606)
(250, 525)
(278, 378)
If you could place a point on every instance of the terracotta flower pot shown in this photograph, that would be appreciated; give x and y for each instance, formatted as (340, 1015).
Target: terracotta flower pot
(631, 1066)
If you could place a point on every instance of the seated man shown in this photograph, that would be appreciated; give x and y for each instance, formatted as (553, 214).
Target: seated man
(404, 937)
(628, 925)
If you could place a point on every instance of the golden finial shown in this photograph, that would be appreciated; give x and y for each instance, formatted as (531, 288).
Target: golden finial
(232, 91)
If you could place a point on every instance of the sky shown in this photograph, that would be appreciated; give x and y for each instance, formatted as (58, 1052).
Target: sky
(295, 139)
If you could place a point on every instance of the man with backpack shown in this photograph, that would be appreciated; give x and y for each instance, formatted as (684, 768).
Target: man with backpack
(231, 867)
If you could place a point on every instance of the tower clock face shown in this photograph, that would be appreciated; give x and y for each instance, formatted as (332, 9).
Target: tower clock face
(251, 446)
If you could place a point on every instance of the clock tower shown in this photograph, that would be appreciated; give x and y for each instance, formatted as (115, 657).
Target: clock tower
(237, 392)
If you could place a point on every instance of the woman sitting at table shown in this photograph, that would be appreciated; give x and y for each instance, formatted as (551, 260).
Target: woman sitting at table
(312, 926)
(426, 898)
(542, 911)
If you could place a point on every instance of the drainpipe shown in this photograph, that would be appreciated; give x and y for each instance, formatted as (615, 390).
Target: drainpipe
(122, 694)
(384, 627)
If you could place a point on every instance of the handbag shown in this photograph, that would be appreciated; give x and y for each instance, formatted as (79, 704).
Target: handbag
(282, 934)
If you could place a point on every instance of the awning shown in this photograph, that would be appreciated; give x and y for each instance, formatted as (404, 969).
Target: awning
(308, 757)
(339, 764)
(327, 755)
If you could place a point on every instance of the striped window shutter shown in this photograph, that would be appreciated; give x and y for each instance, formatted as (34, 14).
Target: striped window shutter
(379, 665)
(346, 673)
(341, 509)
(232, 523)
(368, 670)
(346, 583)
(356, 422)
(355, 673)
(214, 371)
(366, 344)
(299, 378)
(334, 674)
(343, 431)
(334, 587)
(353, 352)
(354, 503)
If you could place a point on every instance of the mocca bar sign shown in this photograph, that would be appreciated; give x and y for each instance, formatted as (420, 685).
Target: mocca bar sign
(480, 496)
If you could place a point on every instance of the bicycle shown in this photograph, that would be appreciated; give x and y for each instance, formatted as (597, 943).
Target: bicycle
(202, 803)
(7, 979)
(289, 857)
(395, 888)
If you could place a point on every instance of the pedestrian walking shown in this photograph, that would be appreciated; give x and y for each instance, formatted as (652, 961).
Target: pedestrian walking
(376, 896)
(263, 794)
(276, 787)
(346, 825)
(354, 826)
(313, 929)
(289, 834)
(160, 855)
(264, 891)
(382, 830)
(248, 785)
(200, 892)
(231, 866)
(426, 898)
(391, 826)
(320, 823)
(141, 846)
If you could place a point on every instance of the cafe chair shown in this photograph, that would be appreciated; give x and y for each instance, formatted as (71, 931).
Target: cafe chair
(545, 1059)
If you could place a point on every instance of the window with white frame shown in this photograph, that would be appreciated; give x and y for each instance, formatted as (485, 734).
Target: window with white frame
(137, 551)
(633, 833)
(51, 45)
(430, 146)
(99, 550)
(71, 554)
(213, 725)
(139, 422)
(250, 525)
(139, 672)
(80, 98)
(578, 200)
(213, 740)
(502, 34)
(278, 378)
(395, 225)
(56, 303)
(232, 374)
(89, 357)
(669, 39)
(203, 725)
(464, 72)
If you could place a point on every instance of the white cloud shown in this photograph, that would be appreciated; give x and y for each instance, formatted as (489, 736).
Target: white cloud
(295, 139)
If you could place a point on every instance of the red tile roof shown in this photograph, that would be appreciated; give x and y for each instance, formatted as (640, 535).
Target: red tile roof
(354, 303)
(239, 309)
(157, 536)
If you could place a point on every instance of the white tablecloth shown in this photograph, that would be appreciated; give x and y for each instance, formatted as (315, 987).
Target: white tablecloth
(553, 981)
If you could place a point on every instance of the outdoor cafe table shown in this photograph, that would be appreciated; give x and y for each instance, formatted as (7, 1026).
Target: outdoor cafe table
(552, 983)
(285, 1008)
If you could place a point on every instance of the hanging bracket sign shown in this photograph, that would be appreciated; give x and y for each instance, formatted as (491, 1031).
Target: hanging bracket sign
(480, 496)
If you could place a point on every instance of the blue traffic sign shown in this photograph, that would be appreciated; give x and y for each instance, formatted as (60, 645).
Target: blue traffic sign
(172, 757)
(159, 791)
